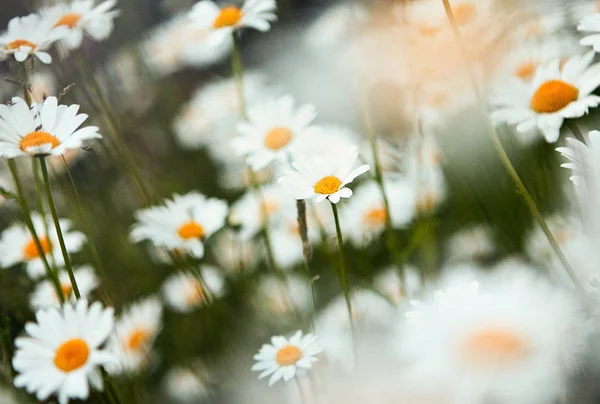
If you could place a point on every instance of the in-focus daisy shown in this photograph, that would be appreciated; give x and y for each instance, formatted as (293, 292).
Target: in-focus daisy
(44, 129)
(182, 223)
(82, 17)
(284, 357)
(490, 340)
(45, 295)
(555, 94)
(271, 130)
(185, 292)
(134, 334)
(62, 351)
(17, 245)
(30, 35)
(257, 14)
(324, 178)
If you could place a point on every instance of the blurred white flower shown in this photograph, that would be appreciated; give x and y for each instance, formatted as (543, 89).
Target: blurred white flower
(30, 35)
(474, 242)
(134, 334)
(324, 178)
(280, 299)
(591, 26)
(45, 296)
(335, 25)
(182, 224)
(283, 358)
(257, 14)
(271, 130)
(62, 352)
(82, 17)
(17, 244)
(184, 386)
(43, 84)
(185, 292)
(44, 129)
(389, 284)
(554, 95)
(234, 254)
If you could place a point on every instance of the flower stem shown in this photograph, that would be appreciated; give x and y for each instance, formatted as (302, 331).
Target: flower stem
(521, 188)
(40, 204)
(343, 272)
(59, 234)
(238, 73)
(29, 223)
(303, 228)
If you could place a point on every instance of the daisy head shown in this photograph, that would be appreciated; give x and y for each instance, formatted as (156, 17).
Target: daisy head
(134, 335)
(591, 26)
(184, 385)
(277, 300)
(555, 94)
(42, 130)
(30, 35)
(45, 295)
(223, 21)
(81, 17)
(18, 246)
(182, 223)
(271, 130)
(62, 351)
(185, 292)
(283, 357)
(323, 178)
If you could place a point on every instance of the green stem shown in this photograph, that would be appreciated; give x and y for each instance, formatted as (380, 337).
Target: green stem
(25, 78)
(521, 188)
(238, 73)
(40, 204)
(303, 228)
(29, 223)
(343, 272)
(59, 234)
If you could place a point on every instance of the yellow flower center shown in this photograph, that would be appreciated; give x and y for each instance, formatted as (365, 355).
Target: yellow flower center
(72, 355)
(552, 96)
(137, 339)
(328, 185)
(426, 30)
(195, 295)
(191, 230)
(38, 138)
(278, 137)
(31, 251)
(66, 289)
(17, 43)
(375, 217)
(228, 17)
(463, 13)
(68, 20)
(525, 70)
(494, 345)
(288, 355)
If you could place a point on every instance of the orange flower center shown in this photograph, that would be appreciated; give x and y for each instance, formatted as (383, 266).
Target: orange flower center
(137, 339)
(17, 43)
(288, 355)
(31, 251)
(38, 138)
(72, 355)
(426, 203)
(66, 289)
(463, 13)
(328, 185)
(68, 20)
(195, 295)
(426, 30)
(552, 96)
(228, 17)
(375, 217)
(494, 346)
(525, 70)
(191, 230)
(278, 137)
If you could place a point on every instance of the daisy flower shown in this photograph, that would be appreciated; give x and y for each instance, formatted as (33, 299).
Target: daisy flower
(134, 335)
(324, 178)
(471, 243)
(271, 130)
(257, 14)
(490, 340)
(44, 129)
(185, 292)
(82, 17)
(390, 285)
(335, 25)
(233, 253)
(30, 35)
(17, 245)
(591, 26)
(554, 95)
(182, 223)
(284, 357)
(583, 160)
(286, 242)
(280, 300)
(45, 295)
(62, 351)
(42, 84)
(183, 385)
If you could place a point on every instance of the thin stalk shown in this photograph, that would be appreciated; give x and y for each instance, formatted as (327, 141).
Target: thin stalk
(29, 223)
(238, 73)
(342, 261)
(40, 203)
(59, 234)
(521, 188)
(110, 391)
(303, 228)
(25, 78)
